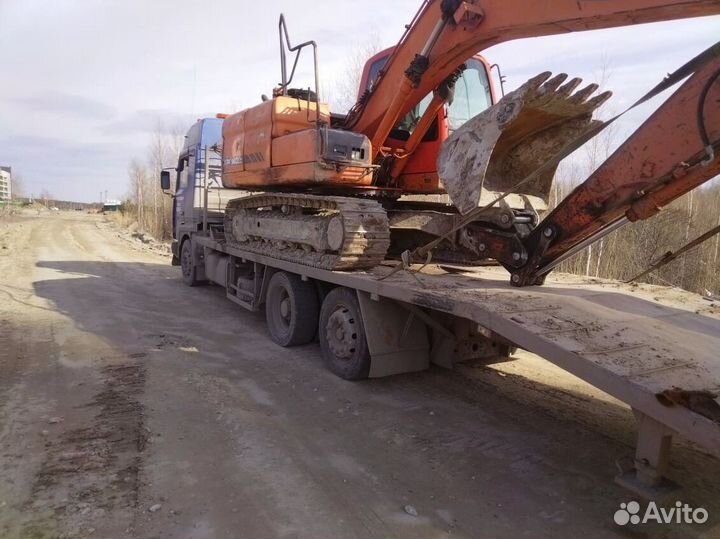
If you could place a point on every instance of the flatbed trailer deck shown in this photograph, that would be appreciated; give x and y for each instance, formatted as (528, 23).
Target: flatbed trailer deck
(627, 341)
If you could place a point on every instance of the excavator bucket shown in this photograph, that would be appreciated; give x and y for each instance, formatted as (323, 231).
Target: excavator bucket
(492, 152)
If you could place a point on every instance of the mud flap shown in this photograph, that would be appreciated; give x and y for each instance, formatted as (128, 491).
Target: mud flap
(492, 152)
(397, 340)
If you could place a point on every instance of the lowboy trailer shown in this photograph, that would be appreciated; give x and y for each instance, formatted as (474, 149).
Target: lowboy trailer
(659, 359)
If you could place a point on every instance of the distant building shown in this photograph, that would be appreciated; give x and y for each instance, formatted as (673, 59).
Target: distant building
(5, 183)
(111, 205)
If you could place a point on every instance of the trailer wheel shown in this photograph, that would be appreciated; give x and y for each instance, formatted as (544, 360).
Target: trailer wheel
(187, 264)
(341, 331)
(291, 309)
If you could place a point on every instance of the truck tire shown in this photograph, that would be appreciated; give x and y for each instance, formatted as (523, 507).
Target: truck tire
(342, 338)
(291, 309)
(187, 264)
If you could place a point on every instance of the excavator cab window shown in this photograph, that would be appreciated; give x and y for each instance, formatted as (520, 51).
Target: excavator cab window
(375, 71)
(472, 94)
(412, 118)
(407, 125)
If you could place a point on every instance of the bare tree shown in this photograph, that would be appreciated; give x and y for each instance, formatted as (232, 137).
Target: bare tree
(148, 205)
(597, 150)
(688, 228)
(45, 198)
(344, 91)
(138, 181)
(163, 151)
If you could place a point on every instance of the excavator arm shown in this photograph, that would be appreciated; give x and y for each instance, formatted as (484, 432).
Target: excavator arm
(445, 33)
(669, 155)
(674, 151)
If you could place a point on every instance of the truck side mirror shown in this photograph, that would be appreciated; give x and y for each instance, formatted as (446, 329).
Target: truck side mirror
(165, 180)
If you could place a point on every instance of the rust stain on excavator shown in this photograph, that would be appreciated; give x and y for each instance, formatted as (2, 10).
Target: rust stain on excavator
(498, 148)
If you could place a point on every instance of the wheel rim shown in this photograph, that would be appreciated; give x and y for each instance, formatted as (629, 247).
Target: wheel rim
(281, 308)
(284, 309)
(341, 333)
(186, 262)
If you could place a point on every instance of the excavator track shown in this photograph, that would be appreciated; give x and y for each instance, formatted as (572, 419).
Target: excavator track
(326, 232)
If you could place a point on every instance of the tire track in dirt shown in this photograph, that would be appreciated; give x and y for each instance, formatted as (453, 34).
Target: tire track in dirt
(95, 470)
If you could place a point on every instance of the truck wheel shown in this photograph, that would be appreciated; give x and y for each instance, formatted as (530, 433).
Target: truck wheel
(342, 335)
(291, 309)
(187, 264)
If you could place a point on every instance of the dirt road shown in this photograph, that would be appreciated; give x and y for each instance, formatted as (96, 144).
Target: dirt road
(133, 406)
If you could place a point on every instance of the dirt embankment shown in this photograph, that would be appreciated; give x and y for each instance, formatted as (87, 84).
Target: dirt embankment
(127, 229)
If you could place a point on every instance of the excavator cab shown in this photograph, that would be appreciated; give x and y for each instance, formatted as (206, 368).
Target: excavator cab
(474, 93)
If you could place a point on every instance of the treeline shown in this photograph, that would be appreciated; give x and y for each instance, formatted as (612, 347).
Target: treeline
(146, 204)
(59, 204)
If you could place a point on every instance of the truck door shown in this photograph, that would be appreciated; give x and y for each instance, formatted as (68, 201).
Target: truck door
(182, 192)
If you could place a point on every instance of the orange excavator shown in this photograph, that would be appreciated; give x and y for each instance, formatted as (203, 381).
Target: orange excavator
(430, 163)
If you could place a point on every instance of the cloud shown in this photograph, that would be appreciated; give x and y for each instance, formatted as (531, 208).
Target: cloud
(150, 121)
(65, 104)
(67, 169)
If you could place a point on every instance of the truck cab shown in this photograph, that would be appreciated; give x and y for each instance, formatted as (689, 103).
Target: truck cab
(199, 198)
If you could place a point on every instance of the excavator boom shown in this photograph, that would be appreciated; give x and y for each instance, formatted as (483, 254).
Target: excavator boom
(445, 33)
(488, 157)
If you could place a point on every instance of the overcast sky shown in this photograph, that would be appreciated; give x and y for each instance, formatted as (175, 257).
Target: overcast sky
(84, 83)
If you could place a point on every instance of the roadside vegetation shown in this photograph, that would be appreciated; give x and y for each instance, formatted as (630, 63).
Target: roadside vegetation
(146, 204)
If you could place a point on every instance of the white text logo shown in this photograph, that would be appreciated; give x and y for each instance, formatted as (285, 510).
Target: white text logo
(680, 513)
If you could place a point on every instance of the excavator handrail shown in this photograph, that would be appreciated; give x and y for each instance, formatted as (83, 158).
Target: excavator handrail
(297, 49)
